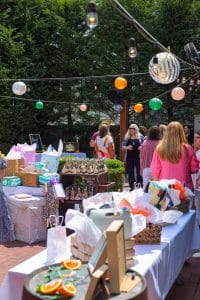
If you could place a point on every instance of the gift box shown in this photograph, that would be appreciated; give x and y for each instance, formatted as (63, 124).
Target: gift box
(11, 181)
(29, 179)
(45, 178)
(13, 166)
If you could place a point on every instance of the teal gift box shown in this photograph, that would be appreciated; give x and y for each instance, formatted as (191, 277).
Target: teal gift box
(45, 178)
(11, 181)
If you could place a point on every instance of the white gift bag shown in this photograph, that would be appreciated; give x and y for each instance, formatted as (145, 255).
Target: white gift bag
(56, 240)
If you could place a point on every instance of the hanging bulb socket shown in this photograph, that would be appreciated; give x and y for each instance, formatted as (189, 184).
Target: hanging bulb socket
(92, 17)
(155, 60)
(132, 50)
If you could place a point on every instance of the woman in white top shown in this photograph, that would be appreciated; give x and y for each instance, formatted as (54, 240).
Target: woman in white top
(104, 144)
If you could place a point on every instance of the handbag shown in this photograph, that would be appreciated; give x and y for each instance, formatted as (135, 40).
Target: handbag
(56, 240)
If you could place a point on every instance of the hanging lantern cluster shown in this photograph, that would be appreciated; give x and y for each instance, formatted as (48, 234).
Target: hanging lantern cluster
(138, 107)
(19, 88)
(164, 68)
(178, 93)
(120, 83)
(155, 104)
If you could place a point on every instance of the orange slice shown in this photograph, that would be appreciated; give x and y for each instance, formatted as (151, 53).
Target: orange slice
(51, 287)
(68, 290)
(72, 264)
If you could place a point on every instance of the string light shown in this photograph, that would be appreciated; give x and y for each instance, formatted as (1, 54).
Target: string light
(92, 17)
(132, 50)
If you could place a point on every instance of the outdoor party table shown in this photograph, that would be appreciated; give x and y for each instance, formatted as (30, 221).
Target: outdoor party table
(160, 264)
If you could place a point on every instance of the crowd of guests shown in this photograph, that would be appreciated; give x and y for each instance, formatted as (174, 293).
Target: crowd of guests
(159, 152)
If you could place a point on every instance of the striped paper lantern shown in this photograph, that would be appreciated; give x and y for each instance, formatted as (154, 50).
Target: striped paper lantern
(167, 68)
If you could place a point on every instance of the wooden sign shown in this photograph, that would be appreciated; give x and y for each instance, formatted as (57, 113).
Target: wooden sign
(35, 138)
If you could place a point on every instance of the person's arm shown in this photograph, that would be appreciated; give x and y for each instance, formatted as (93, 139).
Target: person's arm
(93, 140)
(156, 166)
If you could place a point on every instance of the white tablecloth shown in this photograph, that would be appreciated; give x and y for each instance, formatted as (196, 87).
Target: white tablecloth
(26, 214)
(160, 264)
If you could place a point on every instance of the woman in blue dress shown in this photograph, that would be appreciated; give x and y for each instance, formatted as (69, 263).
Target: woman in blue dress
(6, 226)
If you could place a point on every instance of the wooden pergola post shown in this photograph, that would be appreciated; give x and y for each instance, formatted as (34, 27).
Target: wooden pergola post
(123, 126)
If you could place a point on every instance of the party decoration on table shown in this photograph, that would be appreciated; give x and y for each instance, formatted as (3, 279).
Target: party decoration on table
(155, 104)
(39, 105)
(164, 68)
(83, 107)
(19, 88)
(138, 107)
(120, 83)
(178, 93)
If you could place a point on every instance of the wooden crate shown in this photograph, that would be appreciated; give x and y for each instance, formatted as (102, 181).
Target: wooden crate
(29, 179)
(13, 166)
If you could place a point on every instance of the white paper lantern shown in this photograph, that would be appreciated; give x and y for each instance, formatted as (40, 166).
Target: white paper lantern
(19, 88)
(167, 68)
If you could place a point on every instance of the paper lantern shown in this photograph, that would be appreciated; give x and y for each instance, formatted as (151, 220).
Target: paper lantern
(164, 68)
(83, 107)
(155, 104)
(117, 107)
(120, 83)
(138, 107)
(19, 88)
(178, 93)
(39, 105)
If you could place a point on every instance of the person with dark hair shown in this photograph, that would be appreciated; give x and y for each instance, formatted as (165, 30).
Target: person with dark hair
(189, 135)
(104, 144)
(173, 157)
(146, 153)
(6, 226)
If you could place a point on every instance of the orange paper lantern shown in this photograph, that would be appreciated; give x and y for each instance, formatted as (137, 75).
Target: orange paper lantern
(178, 93)
(120, 83)
(138, 107)
(83, 107)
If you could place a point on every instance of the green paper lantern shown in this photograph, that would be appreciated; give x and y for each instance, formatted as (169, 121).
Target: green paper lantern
(155, 104)
(39, 105)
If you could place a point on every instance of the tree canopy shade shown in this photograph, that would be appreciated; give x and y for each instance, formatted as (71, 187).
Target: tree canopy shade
(49, 39)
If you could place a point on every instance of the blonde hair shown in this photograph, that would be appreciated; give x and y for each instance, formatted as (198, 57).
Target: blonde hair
(162, 129)
(137, 132)
(173, 143)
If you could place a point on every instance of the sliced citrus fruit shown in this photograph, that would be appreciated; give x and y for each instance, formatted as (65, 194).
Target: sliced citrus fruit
(68, 289)
(72, 264)
(51, 287)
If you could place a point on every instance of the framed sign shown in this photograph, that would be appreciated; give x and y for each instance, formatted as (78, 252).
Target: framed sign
(35, 138)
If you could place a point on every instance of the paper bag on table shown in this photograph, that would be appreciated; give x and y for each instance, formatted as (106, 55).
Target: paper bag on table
(51, 157)
(56, 240)
(86, 230)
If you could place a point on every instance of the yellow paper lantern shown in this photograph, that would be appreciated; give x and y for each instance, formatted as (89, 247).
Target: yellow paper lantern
(138, 107)
(120, 83)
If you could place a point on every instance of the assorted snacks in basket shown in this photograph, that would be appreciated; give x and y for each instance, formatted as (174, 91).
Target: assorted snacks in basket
(150, 235)
(29, 179)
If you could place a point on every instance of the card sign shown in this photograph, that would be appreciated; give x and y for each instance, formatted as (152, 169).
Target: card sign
(35, 138)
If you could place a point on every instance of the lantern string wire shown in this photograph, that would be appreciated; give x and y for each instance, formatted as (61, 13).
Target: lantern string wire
(146, 34)
(74, 78)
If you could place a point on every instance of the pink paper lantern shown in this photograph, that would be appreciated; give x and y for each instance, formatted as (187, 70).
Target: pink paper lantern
(178, 93)
(83, 107)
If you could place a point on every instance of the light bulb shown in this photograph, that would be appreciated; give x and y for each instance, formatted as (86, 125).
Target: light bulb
(132, 50)
(92, 17)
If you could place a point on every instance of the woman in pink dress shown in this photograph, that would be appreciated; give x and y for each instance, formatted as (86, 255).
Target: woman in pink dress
(174, 158)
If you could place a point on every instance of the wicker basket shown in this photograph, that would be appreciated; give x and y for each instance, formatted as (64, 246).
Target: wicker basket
(13, 166)
(184, 206)
(29, 179)
(150, 235)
